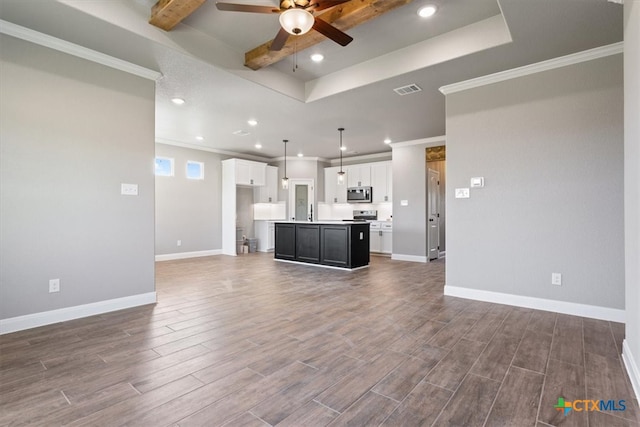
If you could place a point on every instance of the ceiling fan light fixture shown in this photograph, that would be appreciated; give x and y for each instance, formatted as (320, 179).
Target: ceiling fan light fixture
(296, 21)
(317, 57)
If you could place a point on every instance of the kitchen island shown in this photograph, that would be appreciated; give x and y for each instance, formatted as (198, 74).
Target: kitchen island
(330, 243)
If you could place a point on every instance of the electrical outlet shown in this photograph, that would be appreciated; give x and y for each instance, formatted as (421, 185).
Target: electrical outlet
(54, 285)
(179, 243)
(556, 279)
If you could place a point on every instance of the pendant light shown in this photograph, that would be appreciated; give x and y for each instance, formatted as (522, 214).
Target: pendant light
(341, 172)
(285, 180)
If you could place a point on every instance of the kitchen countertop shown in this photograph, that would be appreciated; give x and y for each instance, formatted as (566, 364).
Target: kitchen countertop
(326, 222)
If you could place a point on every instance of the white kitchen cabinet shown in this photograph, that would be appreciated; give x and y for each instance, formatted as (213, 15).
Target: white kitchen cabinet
(267, 193)
(359, 175)
(381, 174)
(334, 192)
(265, 232)
(380, 237)
(250, 173)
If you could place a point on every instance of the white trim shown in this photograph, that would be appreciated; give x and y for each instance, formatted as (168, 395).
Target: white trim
(333, 267)
(296, 158)
(35, 320)
(433, 141)
(60, 45)
(632, 368)
(185, 255)
(384, 155)
(575, 309)
(410, 258)
(551, 64)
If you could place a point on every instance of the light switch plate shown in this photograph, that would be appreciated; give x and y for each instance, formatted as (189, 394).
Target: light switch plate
(129, 189)
(477, 182)
(462, 193)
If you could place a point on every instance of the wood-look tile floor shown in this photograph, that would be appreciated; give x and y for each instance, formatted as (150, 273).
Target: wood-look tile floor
(247, 341)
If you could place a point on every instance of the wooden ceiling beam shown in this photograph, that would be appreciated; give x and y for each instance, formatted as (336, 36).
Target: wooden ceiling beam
(166, 14)
(343, 17)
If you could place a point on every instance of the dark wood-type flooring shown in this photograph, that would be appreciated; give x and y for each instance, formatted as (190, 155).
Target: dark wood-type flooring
(247, 341)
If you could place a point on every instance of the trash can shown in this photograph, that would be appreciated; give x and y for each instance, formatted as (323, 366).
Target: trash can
(253, 244)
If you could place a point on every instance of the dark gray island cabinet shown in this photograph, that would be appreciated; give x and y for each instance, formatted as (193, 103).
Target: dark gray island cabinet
(334, 244)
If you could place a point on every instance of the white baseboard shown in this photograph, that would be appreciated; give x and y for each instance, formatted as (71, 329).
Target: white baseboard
(592, 311)
(442, 254)
(34, 320)
(632, 368)
(185, 255)
(410, 258)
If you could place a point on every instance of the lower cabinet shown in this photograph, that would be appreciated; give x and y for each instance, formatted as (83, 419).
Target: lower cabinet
(285, 241)
(335, 246)
(308, 243)
(343, 245)
(381, 238)
(265, 232)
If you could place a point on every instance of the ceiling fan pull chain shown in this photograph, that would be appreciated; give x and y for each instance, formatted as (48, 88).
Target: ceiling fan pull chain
(295, 55)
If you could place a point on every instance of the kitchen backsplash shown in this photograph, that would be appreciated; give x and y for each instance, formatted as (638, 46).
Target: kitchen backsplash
(340, 211)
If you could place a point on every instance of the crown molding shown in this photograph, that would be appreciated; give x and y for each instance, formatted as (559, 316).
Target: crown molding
(551, 64)
(433, 141)
(64, 46)
(292, 158)
(385, 154)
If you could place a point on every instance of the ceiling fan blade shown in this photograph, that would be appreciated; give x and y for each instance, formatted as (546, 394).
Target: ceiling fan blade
(332, 32)
(279, 41)
(325, 4)
(233, 7)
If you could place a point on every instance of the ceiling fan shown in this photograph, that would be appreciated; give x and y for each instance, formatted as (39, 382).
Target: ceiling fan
(296, 18)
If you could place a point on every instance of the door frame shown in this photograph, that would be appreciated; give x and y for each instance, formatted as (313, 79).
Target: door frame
(430, 231)
(291, 209)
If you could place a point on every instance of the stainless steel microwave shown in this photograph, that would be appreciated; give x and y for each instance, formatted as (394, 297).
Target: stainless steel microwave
(359, 194)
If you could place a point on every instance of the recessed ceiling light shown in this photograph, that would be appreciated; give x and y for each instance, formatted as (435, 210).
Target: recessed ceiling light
(252, 122)
(177, 101)
(258, 145)
(387, 141)
(200, 138)
(317, 57)
(300, 154)
(427, 11)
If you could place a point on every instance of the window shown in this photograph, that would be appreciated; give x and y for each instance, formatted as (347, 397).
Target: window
(195, 170)
(164, 166)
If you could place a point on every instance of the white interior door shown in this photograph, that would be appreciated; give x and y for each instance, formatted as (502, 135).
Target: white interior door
(433, 216)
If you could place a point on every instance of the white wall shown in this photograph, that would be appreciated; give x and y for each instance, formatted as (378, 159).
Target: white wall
(189, 210)
(410, 184)
(550, 148)
(71, 132)
(631, 350)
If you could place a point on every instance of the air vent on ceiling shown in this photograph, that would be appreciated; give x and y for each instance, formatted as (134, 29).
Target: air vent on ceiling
(406, 90)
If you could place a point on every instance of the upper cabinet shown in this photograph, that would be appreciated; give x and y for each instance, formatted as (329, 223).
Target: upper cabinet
(334, 192)
(250, 173)
(359, 175)
(376, 175)
(267, 193)
(381, 181)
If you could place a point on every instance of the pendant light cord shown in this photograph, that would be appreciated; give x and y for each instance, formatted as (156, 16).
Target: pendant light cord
(340, 130)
